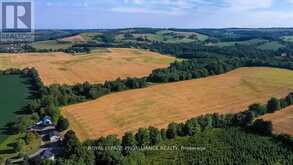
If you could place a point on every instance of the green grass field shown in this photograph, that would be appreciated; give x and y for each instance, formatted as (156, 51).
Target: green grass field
(274, 45)
(7, 150)
(215, 146)
(89, 36)
(287, 38)
(172, 36)
(51, 44)
(248, 42)
(167, 36)
(13, 96)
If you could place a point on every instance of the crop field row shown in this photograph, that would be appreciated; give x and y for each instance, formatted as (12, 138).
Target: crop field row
(51, 44)
(160, 105)
(97, 67)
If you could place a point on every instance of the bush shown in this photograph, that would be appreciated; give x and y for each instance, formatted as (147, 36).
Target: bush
(30, 137)
(62, 124)
(143, 137)
(128, 141)
(273, 105)
(155, 135)
(19, 146)
(172, 131)
(258, 109)
(23, 123)
(262, 127)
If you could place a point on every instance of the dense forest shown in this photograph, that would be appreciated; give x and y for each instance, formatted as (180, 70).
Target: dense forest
(216, 146)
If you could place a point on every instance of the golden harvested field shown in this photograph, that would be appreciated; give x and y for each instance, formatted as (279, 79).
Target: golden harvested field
(75, 38)
(282, 120)
(97, 67)
(159, 105)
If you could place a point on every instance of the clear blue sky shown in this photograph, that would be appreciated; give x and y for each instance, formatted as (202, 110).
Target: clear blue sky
(163, 13)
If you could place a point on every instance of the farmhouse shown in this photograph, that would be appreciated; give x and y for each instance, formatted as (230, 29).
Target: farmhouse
(46, 121)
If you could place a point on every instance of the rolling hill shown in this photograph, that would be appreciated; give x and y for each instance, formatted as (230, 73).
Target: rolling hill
(96, 67)
(159, 105)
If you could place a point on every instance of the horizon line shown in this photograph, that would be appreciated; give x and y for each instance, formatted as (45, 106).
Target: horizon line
(163, 28)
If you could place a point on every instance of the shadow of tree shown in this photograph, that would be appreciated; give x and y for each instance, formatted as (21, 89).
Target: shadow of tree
(7, 151)
(9, 129)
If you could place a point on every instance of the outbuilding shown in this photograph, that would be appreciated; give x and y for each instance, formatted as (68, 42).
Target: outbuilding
(46, 121)
(54, 136)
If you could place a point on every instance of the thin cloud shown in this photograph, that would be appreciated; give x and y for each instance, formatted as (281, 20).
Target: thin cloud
(189, 6)
(242, 5)
(144, 11)
(165, 13)
(169, 7)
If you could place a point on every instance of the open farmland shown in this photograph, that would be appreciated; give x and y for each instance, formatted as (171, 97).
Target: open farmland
(81, 38)
(282, 120)
(233, 43)
(65, 42)
(166, 36)
(76, 38)
(273, 45)
(287, 38)
(161, 104)
(97, 67)
(51, 44)
(14, 95)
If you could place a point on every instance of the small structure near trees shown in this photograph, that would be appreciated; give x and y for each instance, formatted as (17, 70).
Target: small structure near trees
(46, 121)
(54, 136)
